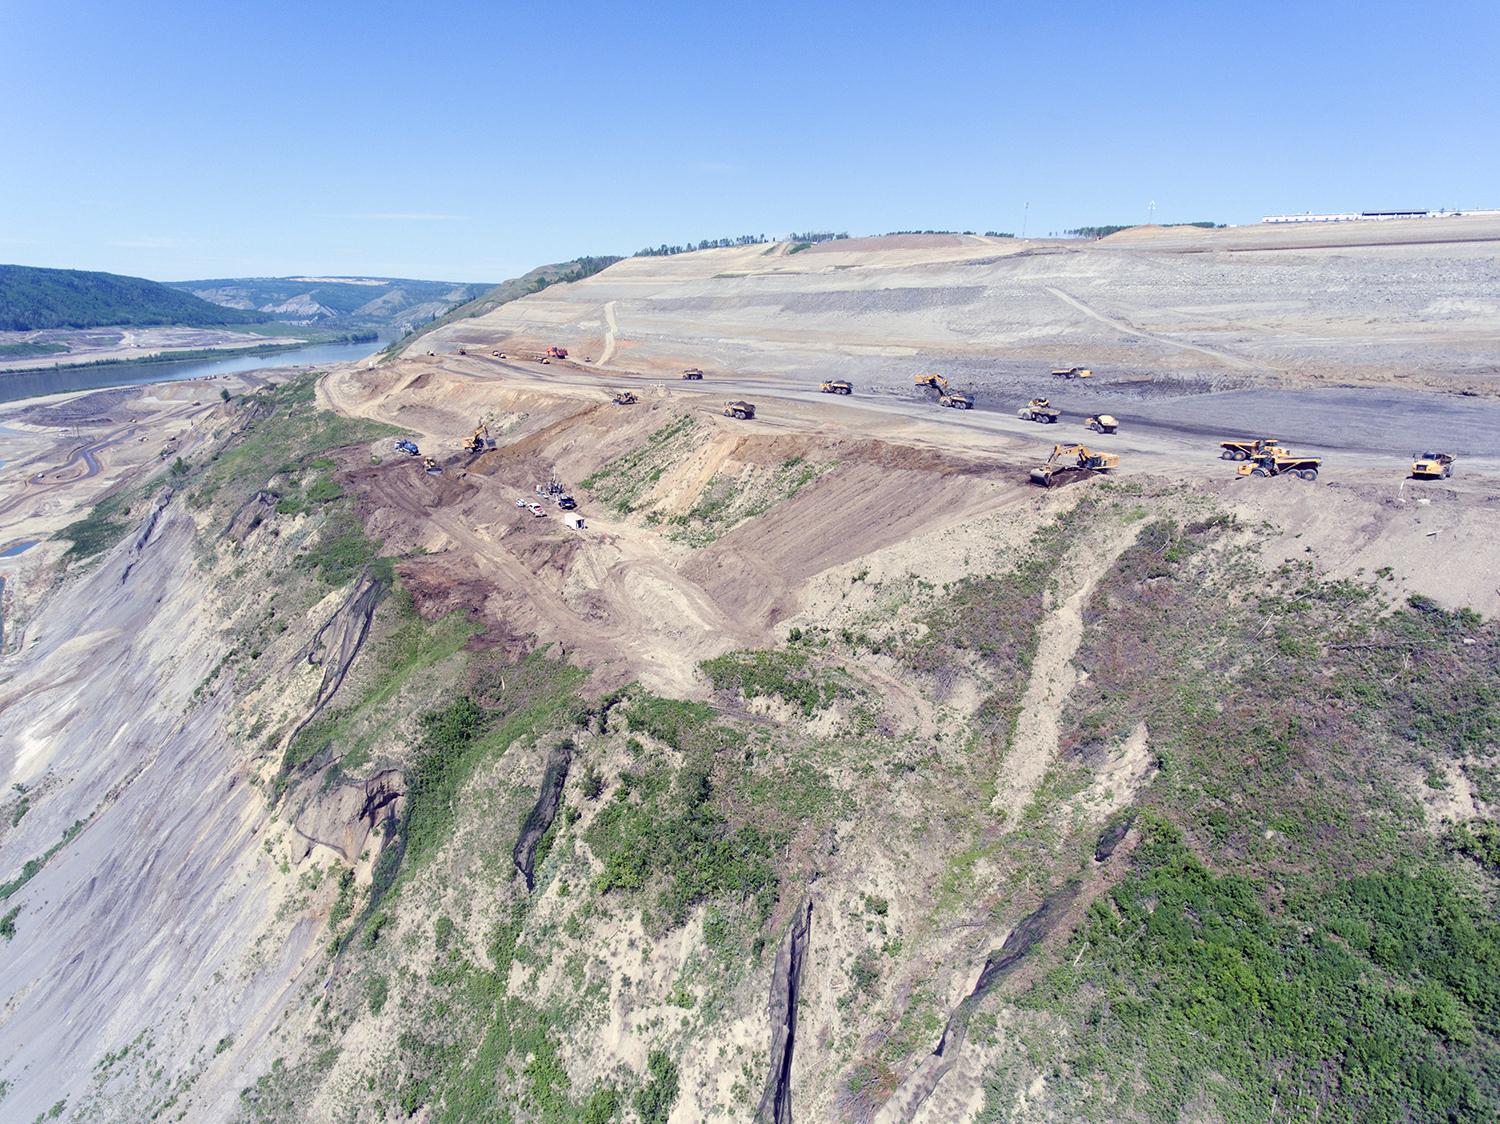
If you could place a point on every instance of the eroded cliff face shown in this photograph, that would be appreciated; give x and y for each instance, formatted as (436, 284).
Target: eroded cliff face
(356, 793)
(150, 887)
(162, 913)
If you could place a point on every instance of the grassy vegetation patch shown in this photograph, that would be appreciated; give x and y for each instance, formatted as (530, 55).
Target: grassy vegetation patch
(340, 551)
(407, 654)
(107, 522)
(727, 501)
(33, 866)
(622, 482)
(1363, 1005)
(994, 618)
(287, 433)
(30, 349)
(664, 831)
(784, 674)
(1347, 968)
(472, 1052)
(1283, 708)
(458, 737)
(678, 723)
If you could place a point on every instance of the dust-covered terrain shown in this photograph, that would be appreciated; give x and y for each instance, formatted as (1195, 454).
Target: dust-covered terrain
(1161, 312)
(831, 770)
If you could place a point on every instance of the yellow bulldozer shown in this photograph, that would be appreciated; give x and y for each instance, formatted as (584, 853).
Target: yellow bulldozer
(1068, 461)
(1281, 464)
(624, 398)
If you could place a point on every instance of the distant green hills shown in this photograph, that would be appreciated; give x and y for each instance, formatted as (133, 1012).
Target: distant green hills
(33, 298)
(396, 304)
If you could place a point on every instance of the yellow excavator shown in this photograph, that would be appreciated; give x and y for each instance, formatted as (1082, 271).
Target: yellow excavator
(937, 382)
(479, 440)
(1068, 461)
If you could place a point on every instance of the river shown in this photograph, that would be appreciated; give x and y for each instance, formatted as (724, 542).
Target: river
(32, 384)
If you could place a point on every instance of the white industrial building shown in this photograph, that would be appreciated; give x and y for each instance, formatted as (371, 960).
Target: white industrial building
(1374, 216)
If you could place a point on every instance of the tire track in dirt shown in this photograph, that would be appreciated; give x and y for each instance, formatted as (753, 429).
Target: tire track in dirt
(646, 611)
(1121, 326)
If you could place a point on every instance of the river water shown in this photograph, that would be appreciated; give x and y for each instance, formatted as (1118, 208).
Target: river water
(31, 384)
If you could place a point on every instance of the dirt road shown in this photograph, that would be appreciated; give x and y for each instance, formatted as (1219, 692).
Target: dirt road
(1119, 325)
(609, 338)
(1369, 434)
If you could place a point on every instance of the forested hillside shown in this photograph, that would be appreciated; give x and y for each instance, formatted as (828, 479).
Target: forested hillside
(397, 303)
(33, 298)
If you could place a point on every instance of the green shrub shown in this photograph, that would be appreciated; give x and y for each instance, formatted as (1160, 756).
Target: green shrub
(1359, 1006)
(377, 989)
(675, 722)
(99, 530)
(1478, 840)
(654, 1099)
(787, 675)
(656, 830)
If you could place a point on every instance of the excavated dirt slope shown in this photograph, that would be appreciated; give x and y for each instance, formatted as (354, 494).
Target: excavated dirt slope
(1158, 311)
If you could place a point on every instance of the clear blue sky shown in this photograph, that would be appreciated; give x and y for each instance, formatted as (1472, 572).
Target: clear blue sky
(471, 141)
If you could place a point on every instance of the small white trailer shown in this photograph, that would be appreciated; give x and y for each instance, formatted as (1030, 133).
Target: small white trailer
(574, 520)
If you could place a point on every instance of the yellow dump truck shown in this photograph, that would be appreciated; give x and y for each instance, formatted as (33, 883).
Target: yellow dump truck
(1244, 450)
(1431, 466)
(1278, 464)
(1039, 410)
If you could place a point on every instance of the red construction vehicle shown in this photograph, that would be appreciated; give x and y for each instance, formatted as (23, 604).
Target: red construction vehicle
(555, 352)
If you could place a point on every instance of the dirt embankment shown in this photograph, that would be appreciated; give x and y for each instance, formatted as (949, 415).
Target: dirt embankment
(1197, 309)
